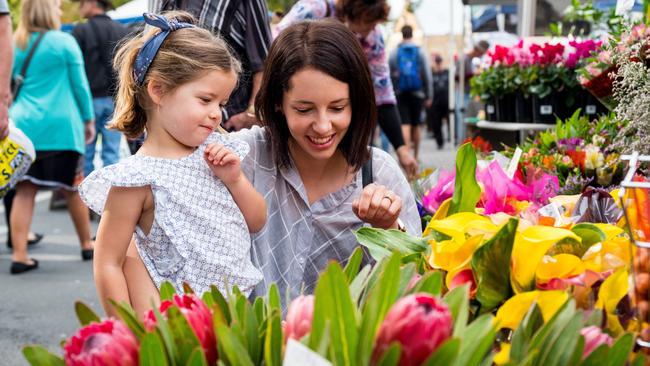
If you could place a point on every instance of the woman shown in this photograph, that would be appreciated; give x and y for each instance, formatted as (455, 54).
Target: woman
(54, 109)
(363, 18)
(317, 104)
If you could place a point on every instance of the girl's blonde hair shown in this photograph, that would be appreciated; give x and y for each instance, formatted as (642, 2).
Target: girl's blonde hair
(36, 16)
(185, 55)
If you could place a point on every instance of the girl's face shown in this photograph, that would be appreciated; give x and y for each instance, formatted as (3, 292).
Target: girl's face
(192, 111)
(318, 112)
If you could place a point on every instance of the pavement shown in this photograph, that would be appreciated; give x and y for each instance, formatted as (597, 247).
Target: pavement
(38, 307)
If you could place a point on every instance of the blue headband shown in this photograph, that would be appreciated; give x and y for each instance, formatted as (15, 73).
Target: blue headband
(150, 48)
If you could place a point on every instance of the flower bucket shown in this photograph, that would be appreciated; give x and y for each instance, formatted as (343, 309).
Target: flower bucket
(545, 109)
(524, 108)
(491, 110)
(506, 108)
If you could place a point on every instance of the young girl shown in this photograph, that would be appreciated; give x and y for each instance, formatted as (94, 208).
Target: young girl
(183, 193)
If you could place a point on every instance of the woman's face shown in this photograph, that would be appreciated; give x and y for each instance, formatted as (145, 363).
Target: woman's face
(318, 112)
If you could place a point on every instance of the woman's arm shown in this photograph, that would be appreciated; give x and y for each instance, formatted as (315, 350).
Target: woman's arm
(78, 80)
(121, 214)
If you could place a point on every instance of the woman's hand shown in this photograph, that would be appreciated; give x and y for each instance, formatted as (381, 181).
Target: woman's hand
(89, 131)
(224, 163)
(378, 206)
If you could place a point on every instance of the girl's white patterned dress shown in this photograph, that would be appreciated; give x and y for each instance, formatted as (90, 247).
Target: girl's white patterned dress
(199, 235)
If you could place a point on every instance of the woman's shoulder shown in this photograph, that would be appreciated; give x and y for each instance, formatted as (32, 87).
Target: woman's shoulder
(59, 37)
(255, 136)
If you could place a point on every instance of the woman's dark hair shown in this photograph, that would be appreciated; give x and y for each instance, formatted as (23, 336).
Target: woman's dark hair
(366, 11)
(327, 46)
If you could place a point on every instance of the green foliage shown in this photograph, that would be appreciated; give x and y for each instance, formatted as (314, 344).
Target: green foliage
(491, 267)
(466, 190)
(280, 5)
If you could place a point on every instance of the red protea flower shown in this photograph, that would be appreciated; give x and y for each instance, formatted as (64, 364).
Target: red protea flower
(198, 316)
(419, 323)
(299, 316)
(107, 343)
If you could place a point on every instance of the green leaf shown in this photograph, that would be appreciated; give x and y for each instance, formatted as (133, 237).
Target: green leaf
(589, 233)
(253, 339)
(466, 190)
(167, 336)
(382, 243)
(430, 283)
(380, 298)
(458, 302)
(274, 339)
(597, 357)
(523, 335)
(231, 348)
(359, 283)
(354, 264)
(85, 314)
(197, 357)
(260, 311)
(621, 350)
(559, 350)
(407, 273)
(342, 316)
(491, 267)
(274, 298)
(127, 314)
(391, 356)
(446, 354)
(39, 356)
(221, 303)
(167, 291)
(152, 351)
(184, 338)
(477, 341)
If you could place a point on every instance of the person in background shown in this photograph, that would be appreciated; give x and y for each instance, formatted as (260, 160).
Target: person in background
(439, 110)
(477, 51)
(55, 78)
(363, 17)
(245, 27)
(5, 100)
(97, 39)
(411, 78)
(5, 66)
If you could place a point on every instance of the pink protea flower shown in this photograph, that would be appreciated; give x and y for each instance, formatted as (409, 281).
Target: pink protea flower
(419, 323)
(299, 317)
(594, 337)
(107, 343)
(198, 316)
(463, 277)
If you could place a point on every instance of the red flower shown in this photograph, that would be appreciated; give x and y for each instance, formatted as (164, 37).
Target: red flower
(463, 277)
(578, 158)
(107, 343)
(420, 323)
(198, 316)
(299, 316)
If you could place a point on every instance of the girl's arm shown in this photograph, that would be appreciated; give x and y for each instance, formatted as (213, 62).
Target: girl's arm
(250, 202)
(121, 214)
(226, 166)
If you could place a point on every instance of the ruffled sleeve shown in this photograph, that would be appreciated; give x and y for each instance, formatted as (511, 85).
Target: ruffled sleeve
(128, 173)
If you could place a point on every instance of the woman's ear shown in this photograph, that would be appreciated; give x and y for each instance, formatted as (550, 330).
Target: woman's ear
(155, 91)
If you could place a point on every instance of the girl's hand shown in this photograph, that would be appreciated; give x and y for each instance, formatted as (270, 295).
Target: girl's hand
(224, 163)
(378, 206)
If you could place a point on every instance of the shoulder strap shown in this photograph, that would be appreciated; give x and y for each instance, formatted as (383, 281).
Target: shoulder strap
(366, 172)
(28, 60)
